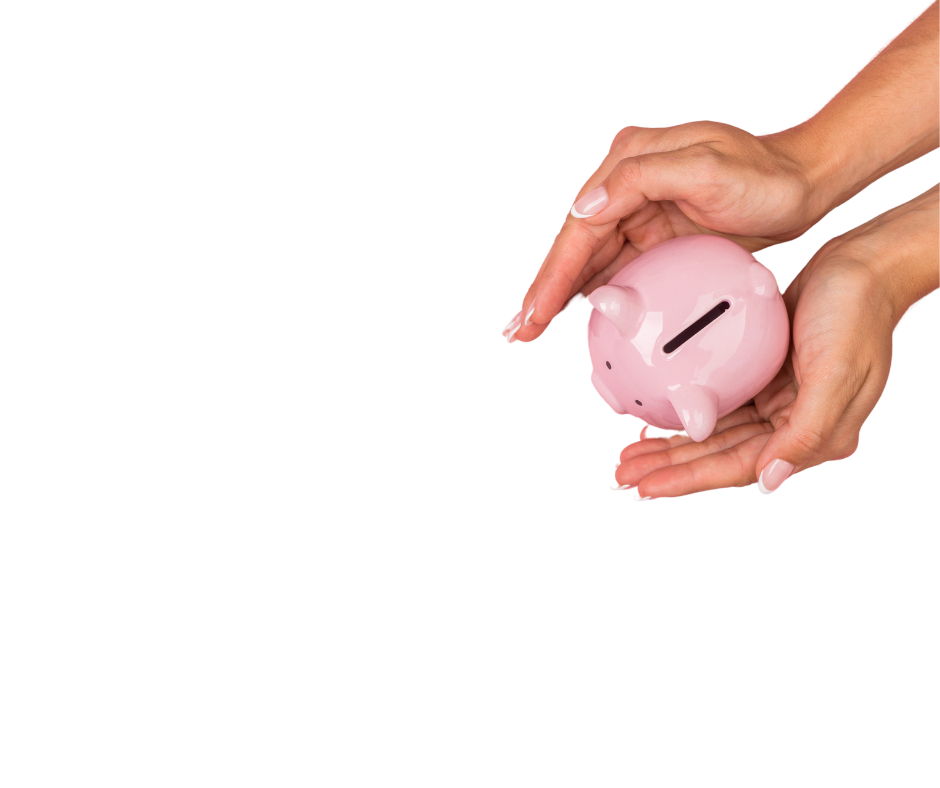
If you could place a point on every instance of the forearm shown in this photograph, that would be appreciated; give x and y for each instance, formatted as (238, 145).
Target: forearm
(884, 118)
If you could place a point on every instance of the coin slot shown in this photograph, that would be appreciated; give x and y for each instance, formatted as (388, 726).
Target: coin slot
(686, 334)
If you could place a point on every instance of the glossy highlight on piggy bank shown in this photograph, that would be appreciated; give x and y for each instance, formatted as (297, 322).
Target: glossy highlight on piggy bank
(686, 333)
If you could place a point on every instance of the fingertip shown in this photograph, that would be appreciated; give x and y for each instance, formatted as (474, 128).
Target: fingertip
(591, 204)
(530, 332)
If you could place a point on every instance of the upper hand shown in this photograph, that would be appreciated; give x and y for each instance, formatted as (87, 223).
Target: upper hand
(657, 184)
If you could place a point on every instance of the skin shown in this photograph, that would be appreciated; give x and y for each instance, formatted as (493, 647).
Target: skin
(709, 177)
(713, 178)
(663, 183)
(843, 307)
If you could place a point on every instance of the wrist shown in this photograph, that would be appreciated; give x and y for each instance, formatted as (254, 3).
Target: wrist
(901, 249)
(806, 151)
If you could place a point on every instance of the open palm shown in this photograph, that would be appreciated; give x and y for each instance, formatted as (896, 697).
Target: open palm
(835, 372)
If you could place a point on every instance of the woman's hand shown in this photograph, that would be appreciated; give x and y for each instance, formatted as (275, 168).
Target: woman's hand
(843, 308)
(658, 184)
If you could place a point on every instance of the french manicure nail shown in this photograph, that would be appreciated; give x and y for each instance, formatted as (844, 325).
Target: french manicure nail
(512, 322)
(774, 474)
(512, 334)
(638, 498)
(623, 487)
(590, 204)
(528, 315)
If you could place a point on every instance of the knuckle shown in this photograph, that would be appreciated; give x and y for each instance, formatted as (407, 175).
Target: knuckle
(581, 238)
(846, 377)
(831, 244)
(810, 440)
(706, 129)
(628, 170)
(847, 449)
(709, 163)
(623, 137)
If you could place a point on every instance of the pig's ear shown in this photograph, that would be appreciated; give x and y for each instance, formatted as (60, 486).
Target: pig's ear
(697, 408)
(620, 305)
(762, 280)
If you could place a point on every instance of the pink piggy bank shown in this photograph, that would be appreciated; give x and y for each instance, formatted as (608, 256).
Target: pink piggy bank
(686, 333)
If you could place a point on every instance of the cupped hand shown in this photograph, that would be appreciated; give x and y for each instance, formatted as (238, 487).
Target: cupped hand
(657, 184)
(843, 319)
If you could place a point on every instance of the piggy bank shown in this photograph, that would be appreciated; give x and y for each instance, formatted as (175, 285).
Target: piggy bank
(686, 333)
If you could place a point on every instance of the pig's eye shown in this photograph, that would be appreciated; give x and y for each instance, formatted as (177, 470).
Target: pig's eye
(608, 364)
(638, 402)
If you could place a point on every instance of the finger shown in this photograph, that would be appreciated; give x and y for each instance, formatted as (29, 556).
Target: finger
(533, 331)
(607, 261)
(589, 281)
(571, 253)
(803, 430)
(746, 414)
(596, 214)
(733, 467)
(637, 467)
(677, 175)
(844, 438)
(650, 444)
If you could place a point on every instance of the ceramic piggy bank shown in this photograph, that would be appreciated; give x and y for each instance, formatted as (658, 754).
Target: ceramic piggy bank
(686, 333)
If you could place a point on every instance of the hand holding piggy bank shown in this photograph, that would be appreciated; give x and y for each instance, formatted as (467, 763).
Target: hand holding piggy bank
(686, 333)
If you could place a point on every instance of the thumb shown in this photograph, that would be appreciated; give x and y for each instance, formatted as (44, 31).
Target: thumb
(677, 175)
(802, 432)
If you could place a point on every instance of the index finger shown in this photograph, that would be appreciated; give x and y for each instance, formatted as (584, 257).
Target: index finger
(579, 253)
(582, 257)
(627, 189)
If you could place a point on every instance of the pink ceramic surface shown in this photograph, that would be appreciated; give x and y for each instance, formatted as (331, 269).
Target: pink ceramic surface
(686, 333)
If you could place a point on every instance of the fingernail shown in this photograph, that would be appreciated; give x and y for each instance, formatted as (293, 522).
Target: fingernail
(528, 315)
(774, 474)
(511, 337)
(623, 487)
(638, 498)
(512, 322)
(590, 204)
